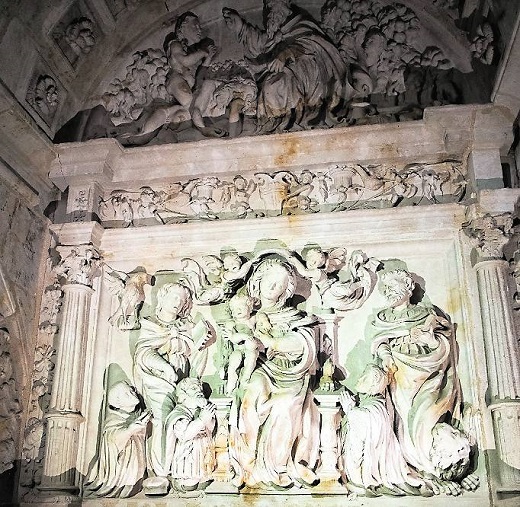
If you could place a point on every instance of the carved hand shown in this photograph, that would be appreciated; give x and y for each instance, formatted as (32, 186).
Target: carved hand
(232, 19)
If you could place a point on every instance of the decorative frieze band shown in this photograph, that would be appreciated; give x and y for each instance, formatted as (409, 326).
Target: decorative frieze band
(340, 187)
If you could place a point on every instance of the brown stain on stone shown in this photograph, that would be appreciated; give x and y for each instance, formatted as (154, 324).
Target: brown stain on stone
(290, 149)
(389, 149)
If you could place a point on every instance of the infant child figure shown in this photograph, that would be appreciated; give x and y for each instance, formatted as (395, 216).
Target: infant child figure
(240, 332)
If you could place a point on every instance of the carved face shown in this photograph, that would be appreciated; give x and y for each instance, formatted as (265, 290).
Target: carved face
(397, 287)
(274, 283)
(449, 447)
(190, 394)
(232, 262)
(372, 381)
(173, 302)
(315, 258)
(241, 306)
(190, 30)
(123, 397)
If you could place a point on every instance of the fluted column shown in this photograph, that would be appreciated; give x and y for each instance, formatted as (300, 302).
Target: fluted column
(489, 235)
(78, 266)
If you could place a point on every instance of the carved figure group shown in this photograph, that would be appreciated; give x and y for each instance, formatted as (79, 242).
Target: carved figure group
(296, 72)
(400, 431)
(337, 188)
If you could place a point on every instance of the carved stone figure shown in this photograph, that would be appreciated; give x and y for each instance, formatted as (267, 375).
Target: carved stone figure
(44, 96)
(190, 427)
(298, 69)
(187, 51)
(274, 423)
(120, 466)
(415, 345)
(240, 332)
(168, 347)
(370, 456)
(129, 288)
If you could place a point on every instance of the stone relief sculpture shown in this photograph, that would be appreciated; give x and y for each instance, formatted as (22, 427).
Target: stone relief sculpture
(245, 347)
(44, 97)
(129, 289)
(337, 188)
(415, 345)
(190, 449)
(120, 467)
(299, 71)
(273, 427)
(400, 434)
(186, 51)
(360, 62)
(370, 454)
(170, 346)
(9, 405)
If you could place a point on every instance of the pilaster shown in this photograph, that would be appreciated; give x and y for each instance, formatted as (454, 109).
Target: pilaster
(490, 234)
(78, 266)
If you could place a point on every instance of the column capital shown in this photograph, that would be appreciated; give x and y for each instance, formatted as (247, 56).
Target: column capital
(489, 234)
(79, 264)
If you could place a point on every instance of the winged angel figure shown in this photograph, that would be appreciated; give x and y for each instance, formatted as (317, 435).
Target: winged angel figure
(129, 289)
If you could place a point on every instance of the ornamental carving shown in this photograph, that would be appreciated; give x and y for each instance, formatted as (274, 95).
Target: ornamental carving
(358, 62)
(338, 188)
(44, 97)
(9, 405)
(78, 264)
(489, 234)
(278, 417)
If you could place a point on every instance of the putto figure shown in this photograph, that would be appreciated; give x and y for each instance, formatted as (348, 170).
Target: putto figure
(298, 69)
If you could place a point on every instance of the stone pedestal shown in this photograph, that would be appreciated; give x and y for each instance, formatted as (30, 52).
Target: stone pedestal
(328, 407)
(222, 474)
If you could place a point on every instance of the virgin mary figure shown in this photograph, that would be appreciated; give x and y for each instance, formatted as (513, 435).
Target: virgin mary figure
(274, 429)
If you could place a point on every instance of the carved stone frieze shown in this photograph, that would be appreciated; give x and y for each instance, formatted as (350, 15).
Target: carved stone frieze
(338, 188)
